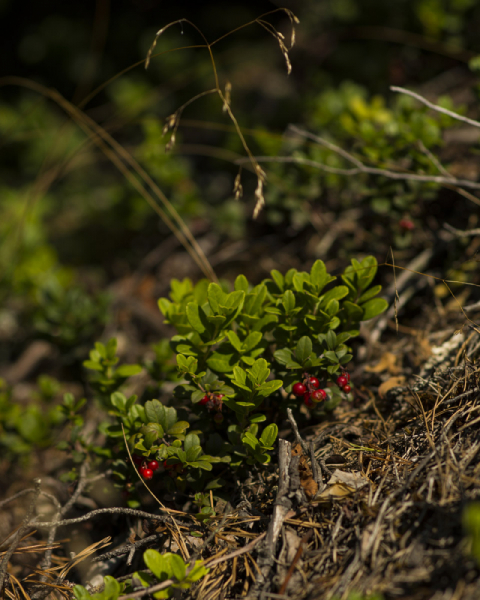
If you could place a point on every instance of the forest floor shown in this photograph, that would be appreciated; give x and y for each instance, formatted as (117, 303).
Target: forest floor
(369, 500)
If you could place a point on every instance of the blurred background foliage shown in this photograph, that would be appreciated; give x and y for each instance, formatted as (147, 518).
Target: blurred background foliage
(74, 231)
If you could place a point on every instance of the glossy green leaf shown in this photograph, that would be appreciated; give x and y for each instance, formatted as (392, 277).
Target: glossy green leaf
(128, 370)
(269, 435)
(119, 401)
(251, 341)
(303, 349)
(373, 308)
(177, 566)
(155, 411)
(241, 284)
(234, 340)
(369, 294)
(288, 301)
(269, 387)
(278, 279)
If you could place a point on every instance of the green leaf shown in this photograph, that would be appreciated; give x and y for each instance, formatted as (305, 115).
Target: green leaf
(198, 571)
(92, 365)
(216, 320)
(288, 301)
(177, 566)
(332, 307)
(119, 401)
(373, 308)
(269, 387)
(354, 312)
(278, 279)
(241, 284)
(298, 280)
(81, 593)
(170, 418)
(240, 376)
(250, 440)
(128, 370)
(336, 293)
(178, 428)
(164, 306)
(112, 588)
(252, 340)
(258, 418)
(303, 349)
(235, 340)
(369, 294)
(198, 319)
(191, 440)
(369, 269)
(157, 564)
(283, 356)
(222, 363)
(318, 275)
(269, 435)
(202, 464)
(331, 339)
(154, 411)
(216, 297)
(151, 433)
(234, 301)
(259, 371)
(331, 356)
(193, 453)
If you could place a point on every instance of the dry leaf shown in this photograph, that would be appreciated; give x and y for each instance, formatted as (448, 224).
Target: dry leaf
(309, 485)
(342, 484)
(388, 362)
(391, 383)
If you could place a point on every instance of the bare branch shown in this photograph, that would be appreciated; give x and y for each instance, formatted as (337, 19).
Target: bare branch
(435, 107)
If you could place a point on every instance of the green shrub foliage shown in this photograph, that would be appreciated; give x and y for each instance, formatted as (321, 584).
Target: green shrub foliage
(238, 355)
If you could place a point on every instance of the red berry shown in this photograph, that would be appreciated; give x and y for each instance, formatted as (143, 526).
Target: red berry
(218, 417)
(167, 466)
(342, 380)
(406, 224)
(137, 459)
(319, 395)
(308, 400)
(219, 396)
(153, 465)
(347, 389)
(299, 389)
(204, 400)
(313, 381)
(146, 473)
(347, 375)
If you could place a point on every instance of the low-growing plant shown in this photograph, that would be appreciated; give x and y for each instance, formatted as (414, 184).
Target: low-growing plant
(354, 129)
(162, 568)
(471, 525)
(240, 355)
(32, 425)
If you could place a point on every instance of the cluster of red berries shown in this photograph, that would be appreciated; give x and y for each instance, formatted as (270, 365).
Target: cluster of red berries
(309, 390)
(147, 468)
(406, 224)
(214, 402)
(343, 382)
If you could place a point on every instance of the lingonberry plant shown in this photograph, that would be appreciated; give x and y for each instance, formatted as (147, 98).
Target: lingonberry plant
(167, 568)
(242, 356)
